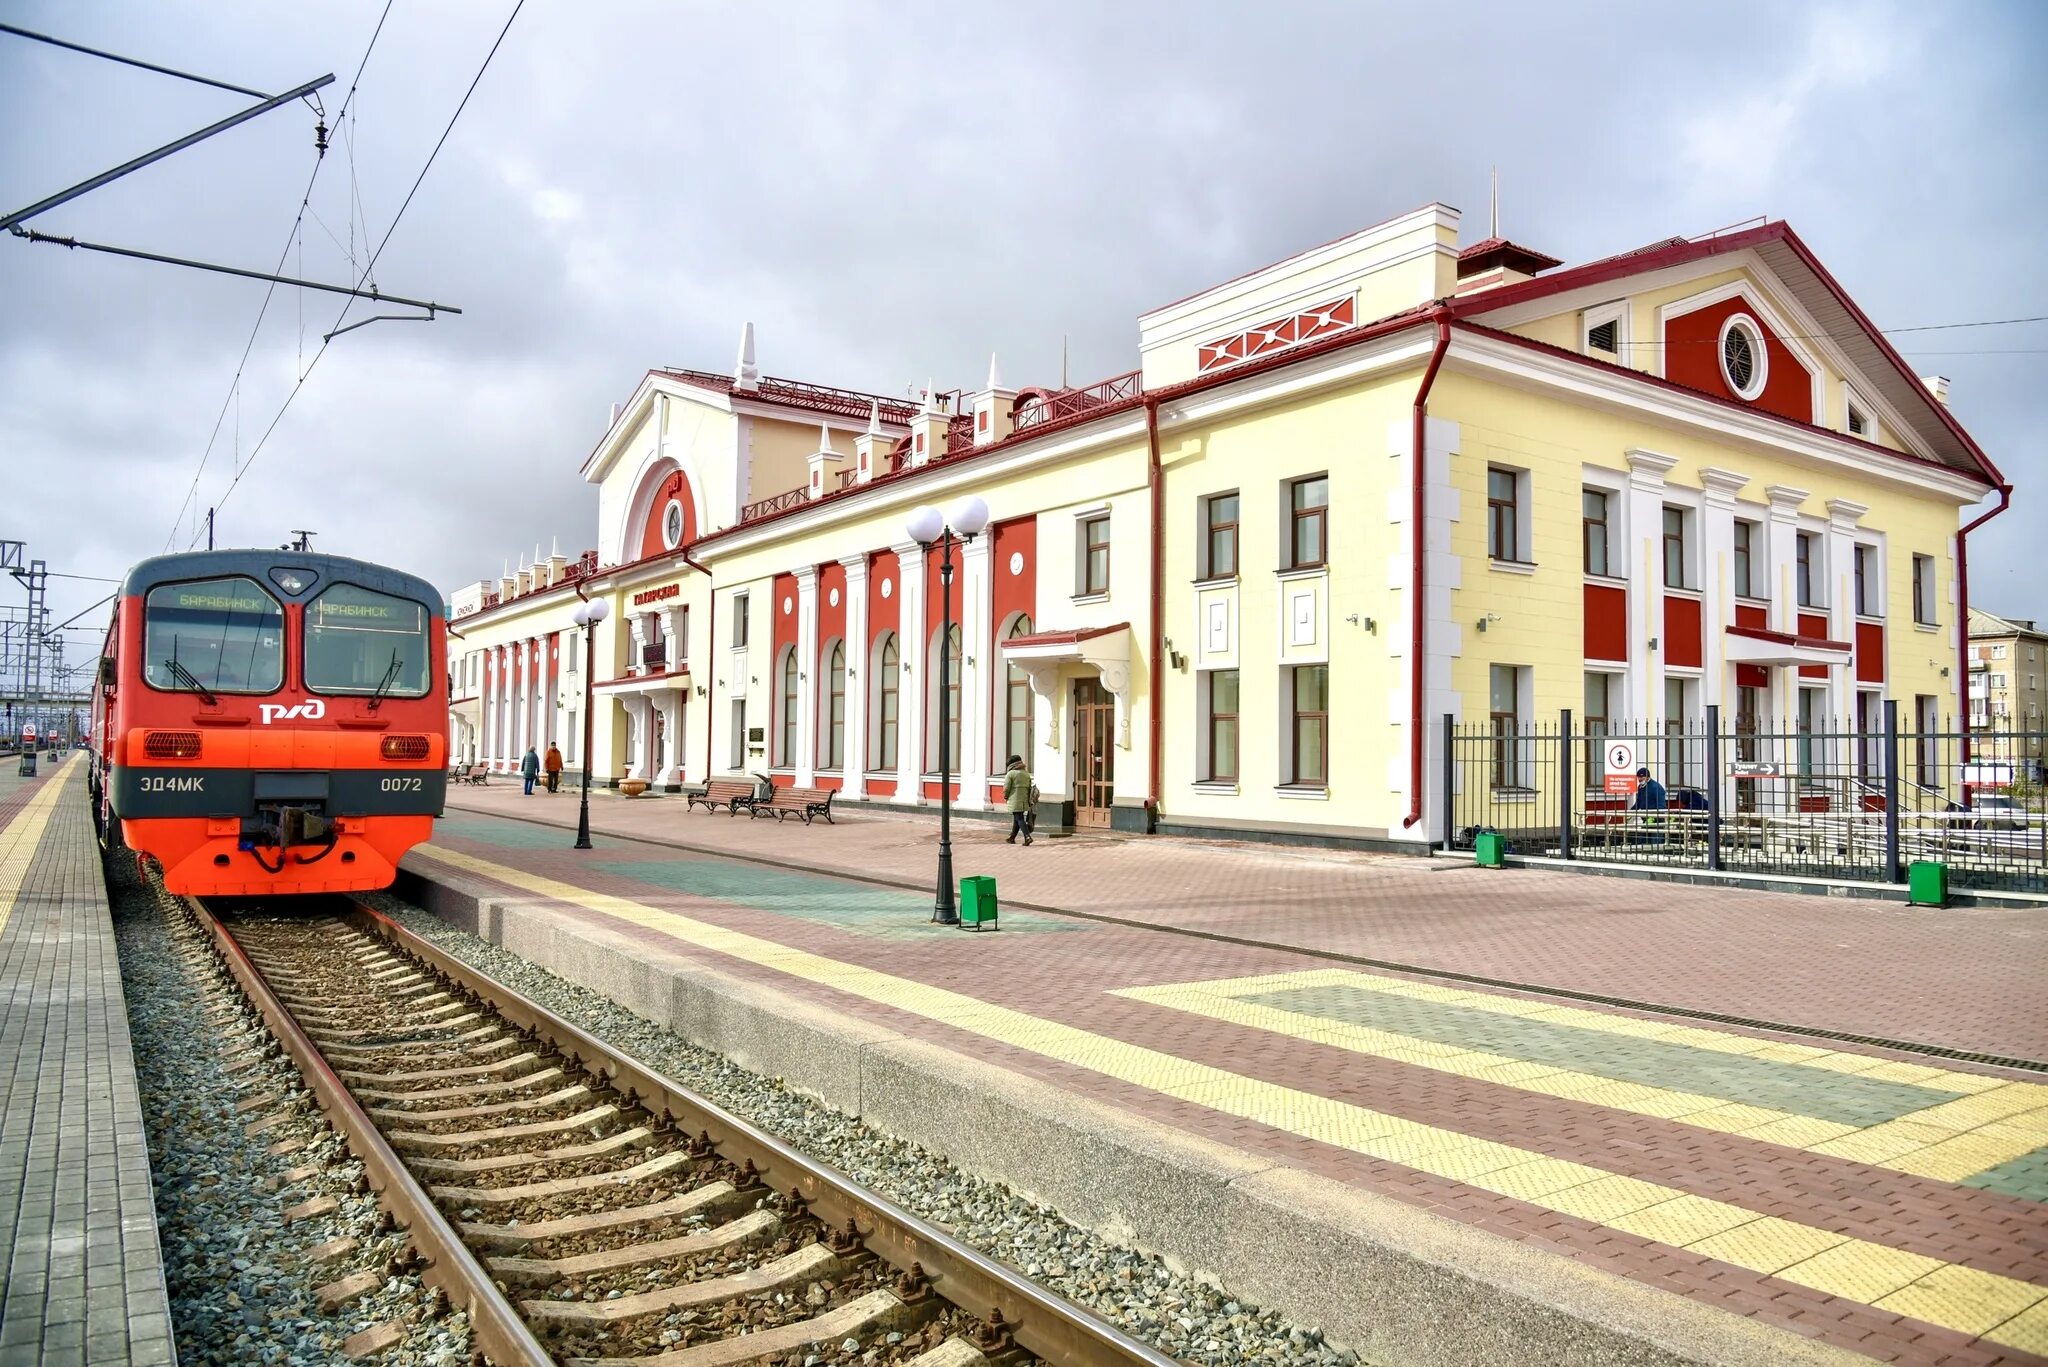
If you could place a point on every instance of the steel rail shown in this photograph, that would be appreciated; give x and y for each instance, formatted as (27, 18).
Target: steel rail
(501, 1335)
(1037, 1320)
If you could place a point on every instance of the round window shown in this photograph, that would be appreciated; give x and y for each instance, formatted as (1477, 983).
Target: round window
(672, 525)
(1743, 360)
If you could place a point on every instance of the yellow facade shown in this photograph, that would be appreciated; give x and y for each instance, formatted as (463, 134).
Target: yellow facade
(1293, 391)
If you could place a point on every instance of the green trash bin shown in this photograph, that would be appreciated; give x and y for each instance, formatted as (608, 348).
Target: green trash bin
(978, 902)
(1927, 883)
(1491, 849)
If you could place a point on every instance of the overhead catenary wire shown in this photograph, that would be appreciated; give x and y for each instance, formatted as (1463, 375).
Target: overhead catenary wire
(263, 311)
(371, 264)
(1844, 336)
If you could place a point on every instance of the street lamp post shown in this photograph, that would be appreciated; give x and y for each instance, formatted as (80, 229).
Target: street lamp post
(588, 614)
(927, 524)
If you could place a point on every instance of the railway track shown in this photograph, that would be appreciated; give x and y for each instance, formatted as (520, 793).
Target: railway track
(584, 1209)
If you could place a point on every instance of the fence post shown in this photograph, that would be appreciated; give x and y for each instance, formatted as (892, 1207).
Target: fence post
(1891, 791)
(1566, 768)
(1450, 783)
(1714, 787)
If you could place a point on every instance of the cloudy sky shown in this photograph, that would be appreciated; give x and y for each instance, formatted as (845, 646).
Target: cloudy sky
(891, 192)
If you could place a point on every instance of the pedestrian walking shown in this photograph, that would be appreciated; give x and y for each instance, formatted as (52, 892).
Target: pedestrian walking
(529, 769)
(552, 765)
(1019, 795)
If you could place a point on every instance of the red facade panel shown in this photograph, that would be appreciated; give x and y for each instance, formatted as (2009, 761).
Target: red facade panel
(1752, 676)
(884, 593)
(1606, 624)
(1682, 632)
(1813, 624)
(782, 612)
(1870, 652)
(1015, 569)
(1692, 357)
(832, 608)
(675, 488)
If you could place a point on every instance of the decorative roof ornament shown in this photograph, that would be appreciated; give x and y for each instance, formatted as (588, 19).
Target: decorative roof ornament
(825, 443)
(746, 374)
(995, 375)
(875, 418)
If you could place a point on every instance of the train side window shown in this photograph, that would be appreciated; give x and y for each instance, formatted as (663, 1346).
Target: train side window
(213, 636)
(361, 641)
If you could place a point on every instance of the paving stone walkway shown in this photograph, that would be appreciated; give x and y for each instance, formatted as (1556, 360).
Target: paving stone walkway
(83, 1275)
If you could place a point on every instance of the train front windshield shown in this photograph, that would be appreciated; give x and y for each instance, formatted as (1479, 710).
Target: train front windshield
(213, 636)
(359, 641)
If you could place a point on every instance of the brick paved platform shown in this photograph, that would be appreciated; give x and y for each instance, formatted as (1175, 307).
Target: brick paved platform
(1433, 1171)
(83, 1277)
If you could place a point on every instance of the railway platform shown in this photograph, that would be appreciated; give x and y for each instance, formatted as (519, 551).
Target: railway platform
(83, 1273)
(1449, 1114)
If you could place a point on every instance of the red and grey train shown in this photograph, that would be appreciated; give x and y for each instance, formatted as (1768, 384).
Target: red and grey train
(270, 722)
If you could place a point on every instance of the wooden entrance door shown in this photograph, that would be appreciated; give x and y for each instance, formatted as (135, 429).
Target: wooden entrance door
(1094, 754)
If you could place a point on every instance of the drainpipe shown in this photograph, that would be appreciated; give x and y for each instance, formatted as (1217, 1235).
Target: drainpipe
(1963, 612)
(1156, 777)
(1418, 667)
(710, 647)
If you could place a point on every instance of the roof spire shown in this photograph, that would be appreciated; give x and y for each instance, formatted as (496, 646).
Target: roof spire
(931, 396)
(995, 376)
(1063, 360)
(746, 374)
(825, 441)
(1496, 203)
(875, 417)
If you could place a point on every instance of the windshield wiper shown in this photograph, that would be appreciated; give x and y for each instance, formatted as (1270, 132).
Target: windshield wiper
(190, 680)
(384, 684)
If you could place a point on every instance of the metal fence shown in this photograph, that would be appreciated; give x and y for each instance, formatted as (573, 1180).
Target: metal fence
(1823, 801)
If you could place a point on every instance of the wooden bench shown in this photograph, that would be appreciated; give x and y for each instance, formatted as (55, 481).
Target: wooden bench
(803, 802)
(476, 775)
(728, 794)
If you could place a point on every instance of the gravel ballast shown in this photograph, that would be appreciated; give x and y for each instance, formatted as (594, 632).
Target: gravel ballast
(240, 1277)
(1138, 1293)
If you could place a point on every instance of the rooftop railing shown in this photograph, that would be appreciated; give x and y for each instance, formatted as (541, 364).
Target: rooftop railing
(1071, 403)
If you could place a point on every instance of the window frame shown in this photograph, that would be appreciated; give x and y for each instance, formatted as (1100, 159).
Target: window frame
(888, 719)
(1760, 358)
(1213, 720)
(1298, 516)
(1925, 612)
(426, 640)
(1743, 557)
(1683, 538)
(1587, 522)
(1599, 316)
(785, 708)
(1504, 515)
(832, 735)
(1014, 680)
(1505, 772)
(740, 629)
(1212, 529)
(1804, 544)
(1085, 585)
(1296, 717)
(1867, 581)
(283, 644)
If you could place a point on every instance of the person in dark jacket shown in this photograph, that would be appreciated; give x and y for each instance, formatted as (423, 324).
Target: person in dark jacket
(1651, 797)
(529, 769)
(552, 766)
(1017, 794)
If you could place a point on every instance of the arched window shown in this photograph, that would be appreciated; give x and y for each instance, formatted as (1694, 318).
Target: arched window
(785, 753)
(948, 706)
(832, 741)
(1017, 704)
(887, 677)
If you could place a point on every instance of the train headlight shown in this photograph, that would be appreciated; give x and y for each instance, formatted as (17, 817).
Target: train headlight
(406, 747)
(171, 745)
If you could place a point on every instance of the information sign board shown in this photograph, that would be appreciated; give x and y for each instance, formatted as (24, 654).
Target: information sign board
(1621, 766)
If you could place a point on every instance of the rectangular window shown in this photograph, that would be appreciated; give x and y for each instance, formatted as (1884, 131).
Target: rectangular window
(1599, 691)
(1094, 556)
(1806, 574)
(1308, 501)
(1926, 744)
(1680, 696)
(1866, 581)
(1998, 652)
(1605, 330)
(1221, 706)
(1747, 579)
(1674, 548)
(1604, 337)
(1505, 694)
(739, 620)
(1503, 515)
(1923, 589)
(739, 734)
(1219, 530)
(1594, 539)
(1309, 707)
(1858, 424)
(1812, 702)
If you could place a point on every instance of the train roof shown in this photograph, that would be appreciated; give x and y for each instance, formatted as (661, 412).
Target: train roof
(318, 570)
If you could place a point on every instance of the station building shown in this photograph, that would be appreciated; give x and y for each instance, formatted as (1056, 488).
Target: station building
(1689, 474)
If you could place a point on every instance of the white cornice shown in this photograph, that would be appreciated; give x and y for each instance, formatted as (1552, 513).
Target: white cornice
(1523, 366)
(611, 445)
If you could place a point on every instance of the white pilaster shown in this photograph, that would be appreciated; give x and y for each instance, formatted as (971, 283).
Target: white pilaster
(520, 711)
(855, 763)
(1783, 536)
(1717, 611)
(487, 692)
(1643, 542)
(977, 670)
(911, 687)
(639, 718)
(807, 679)
(670, 702)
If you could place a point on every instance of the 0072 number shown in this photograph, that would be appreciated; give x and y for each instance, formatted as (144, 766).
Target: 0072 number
(400, 785)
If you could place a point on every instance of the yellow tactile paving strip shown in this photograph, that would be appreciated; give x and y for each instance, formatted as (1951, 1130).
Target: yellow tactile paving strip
(21, 837)
(2003, 1310)
(1947, 1141)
